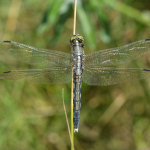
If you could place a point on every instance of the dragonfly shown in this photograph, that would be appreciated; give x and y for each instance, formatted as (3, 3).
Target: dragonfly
(96, 68)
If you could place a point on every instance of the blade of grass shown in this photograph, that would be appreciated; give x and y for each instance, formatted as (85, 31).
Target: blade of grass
(72, 147)
(75, 10)
(72, 126)
(13, 15)
(86, 26)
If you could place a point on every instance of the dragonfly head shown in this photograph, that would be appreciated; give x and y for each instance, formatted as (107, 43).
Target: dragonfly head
(76, 37)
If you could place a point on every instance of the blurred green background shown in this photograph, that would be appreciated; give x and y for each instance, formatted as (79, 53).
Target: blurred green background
(116, 117)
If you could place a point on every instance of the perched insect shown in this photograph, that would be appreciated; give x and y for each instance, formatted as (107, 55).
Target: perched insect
(94, 68)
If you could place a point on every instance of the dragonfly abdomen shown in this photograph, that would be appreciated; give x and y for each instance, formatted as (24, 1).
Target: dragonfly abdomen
(77, 100)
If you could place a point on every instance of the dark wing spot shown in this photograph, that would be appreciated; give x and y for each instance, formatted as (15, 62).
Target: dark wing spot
(7, 41)
(7, 72)
(147, 39)
(146, 70)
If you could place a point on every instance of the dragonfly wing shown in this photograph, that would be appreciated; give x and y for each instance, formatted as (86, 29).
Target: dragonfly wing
(118, 55)
(57, 75)
(110, 76)
(35, 56)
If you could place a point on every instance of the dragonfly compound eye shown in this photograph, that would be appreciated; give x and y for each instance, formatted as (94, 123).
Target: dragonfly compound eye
(76, 37)
(72, 39)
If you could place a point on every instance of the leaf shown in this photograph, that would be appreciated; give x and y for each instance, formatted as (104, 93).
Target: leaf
(87, 26)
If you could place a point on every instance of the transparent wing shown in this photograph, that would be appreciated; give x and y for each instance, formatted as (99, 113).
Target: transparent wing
(109, 76)
(118, 55)
(55, 75)
(35, 56)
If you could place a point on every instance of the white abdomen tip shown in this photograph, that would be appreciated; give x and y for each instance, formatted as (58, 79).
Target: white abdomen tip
(75, 130)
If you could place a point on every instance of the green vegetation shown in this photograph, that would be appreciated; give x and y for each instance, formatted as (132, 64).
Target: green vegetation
(112, 118)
